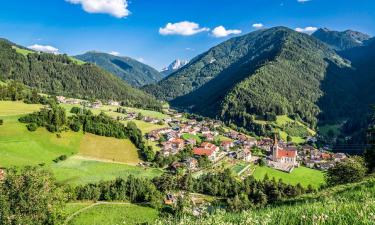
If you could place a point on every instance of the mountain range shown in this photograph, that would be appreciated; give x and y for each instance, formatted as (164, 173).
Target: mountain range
(130, 70)
(173, 67)
(277, 71)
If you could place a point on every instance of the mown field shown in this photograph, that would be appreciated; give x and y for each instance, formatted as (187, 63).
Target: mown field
(302, 175)
(110, 214)
(352, 204)
(78, 170)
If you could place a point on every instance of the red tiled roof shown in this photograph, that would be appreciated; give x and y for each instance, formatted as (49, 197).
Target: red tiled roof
(226, 143)
(207, 145)
(286, 153)
(177, 141)
(203, 151)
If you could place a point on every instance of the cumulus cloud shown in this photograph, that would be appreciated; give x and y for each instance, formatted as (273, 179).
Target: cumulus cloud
(308, 30)
(116, 8)
(220, 31)
(114, 53)
(184, 28)
(44, 48)
(258, 25)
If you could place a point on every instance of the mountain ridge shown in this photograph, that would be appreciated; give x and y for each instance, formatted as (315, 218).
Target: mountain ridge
(128, 69)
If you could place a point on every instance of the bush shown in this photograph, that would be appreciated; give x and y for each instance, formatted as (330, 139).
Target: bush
(348, 171)
(60, 158)
(1, 122)
(32, 127)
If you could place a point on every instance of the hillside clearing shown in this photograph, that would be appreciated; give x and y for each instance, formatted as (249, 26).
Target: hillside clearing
(302, 175)
(107, 148)
(113, 213)
(10, 108)
(77, 170)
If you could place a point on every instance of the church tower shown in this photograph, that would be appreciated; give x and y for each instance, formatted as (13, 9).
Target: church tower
(275, 149)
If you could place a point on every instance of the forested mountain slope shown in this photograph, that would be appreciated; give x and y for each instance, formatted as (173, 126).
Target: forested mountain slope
(59, 75)
(275, 71)
(135, 73)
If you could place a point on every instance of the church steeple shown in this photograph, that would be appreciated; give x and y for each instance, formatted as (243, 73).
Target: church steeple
(275, 148)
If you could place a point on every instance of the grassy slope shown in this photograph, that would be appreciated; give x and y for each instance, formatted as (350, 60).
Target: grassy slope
(348, 204)
(19, 147)
(110, 214)
(119, 150)
(78, 170)
(302, 175)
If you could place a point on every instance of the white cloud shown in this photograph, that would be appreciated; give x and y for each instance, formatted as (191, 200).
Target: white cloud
(308, 30)
(220, 31)
(142, 60)
(44, 48)
(189, 49)
(303, 1)
(116, 8)
(184, 28)
(258, 25)
(114, 53)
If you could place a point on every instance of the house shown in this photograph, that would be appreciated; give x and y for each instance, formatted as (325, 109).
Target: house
(96, 105)
(226, 145)
(169, 200)
(2, 174)
(191, 141)
(251, 142)
(207, 149)
(60, 99)
(245, 155)
(209, 137)
(114, 103)
(339, 157)
(191, 163)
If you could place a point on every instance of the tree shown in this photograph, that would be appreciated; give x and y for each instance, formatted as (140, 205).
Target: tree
(348, 171)
(30, 196)
(1, 122)
(289, 138)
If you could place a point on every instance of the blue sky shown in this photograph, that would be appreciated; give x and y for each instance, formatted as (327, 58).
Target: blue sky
(138, 28)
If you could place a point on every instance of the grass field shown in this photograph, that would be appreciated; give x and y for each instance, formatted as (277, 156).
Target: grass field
(78, 170)
(20, 147)
(147, 127)
(302, 175)
(9, 108)
(238, 167)
(112, 214)
(119, 150)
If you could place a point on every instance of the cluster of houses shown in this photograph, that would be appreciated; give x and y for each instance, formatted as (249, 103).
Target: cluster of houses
(94, 105)
(280, 155)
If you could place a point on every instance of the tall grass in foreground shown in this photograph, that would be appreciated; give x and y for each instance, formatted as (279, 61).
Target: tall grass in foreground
(348, 204)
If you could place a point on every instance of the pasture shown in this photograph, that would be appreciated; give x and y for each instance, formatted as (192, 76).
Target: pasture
(302, 175)
(112, 213)
(79, 170)
(107, 148)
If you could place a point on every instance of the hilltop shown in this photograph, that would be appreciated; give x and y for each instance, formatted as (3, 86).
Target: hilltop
(130, 70)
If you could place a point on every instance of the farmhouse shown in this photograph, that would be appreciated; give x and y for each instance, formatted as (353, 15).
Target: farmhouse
(226, 145)
(207, 149)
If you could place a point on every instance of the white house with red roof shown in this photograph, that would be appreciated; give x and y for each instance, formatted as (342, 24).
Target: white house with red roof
(207, 149)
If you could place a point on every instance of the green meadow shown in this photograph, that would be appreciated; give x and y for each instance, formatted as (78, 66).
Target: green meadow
(78, 170)
(120, 213)
(302, 175)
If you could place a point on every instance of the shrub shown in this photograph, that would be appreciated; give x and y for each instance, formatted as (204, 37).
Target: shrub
(1, 122)
(348, 171)
(32, 127)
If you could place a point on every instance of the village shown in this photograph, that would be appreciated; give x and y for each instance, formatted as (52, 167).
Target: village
(211, 140)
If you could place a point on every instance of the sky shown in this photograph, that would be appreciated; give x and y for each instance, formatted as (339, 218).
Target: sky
(158, 31)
